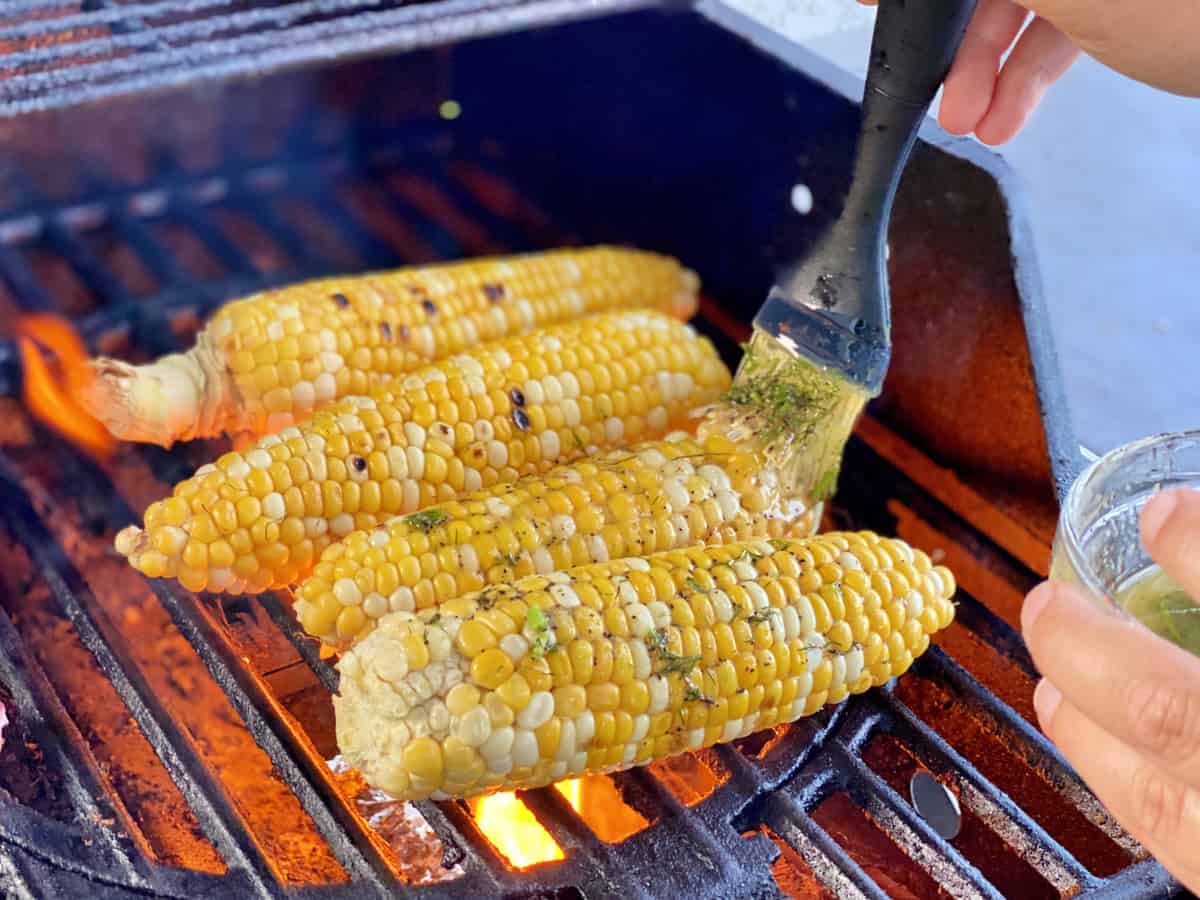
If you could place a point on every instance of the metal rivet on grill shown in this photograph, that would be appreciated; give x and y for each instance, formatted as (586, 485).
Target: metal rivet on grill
(358, 462)
(516, 397)
(936, 804)
(494, 292)
(340, 300)
(429, 307)
(520, 419)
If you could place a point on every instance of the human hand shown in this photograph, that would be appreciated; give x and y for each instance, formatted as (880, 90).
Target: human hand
(1153, 41)
(994, 101)
(1121, 703)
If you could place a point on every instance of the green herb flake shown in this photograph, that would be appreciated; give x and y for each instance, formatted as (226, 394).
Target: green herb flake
(779, 544)
(656, 640)
(538, 622)
(694, 694)
(762, 615)
(791, 396)
(695, 586)
(671, 663)
(427, 519)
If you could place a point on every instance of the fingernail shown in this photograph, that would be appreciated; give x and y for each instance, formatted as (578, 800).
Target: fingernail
(1156, 513)
(1046, 698)
(1034, 604)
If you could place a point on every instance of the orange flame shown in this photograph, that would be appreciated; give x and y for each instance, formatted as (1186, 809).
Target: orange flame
(50, 391)
(511, 827)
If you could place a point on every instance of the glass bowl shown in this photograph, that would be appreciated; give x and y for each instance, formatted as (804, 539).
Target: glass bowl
(1097, 544)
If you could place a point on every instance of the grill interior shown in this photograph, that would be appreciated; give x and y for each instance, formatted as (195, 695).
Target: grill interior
(170, 744)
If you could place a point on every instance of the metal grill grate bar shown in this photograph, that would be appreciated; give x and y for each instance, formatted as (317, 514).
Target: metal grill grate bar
(221, 821)
(309, 650)
(36, 702)
(787, 811)
(933, 747)
(883, 803)
(307, 776)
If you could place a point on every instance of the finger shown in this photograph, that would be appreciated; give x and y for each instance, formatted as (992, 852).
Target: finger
(1122, 676)
(1170, 526)
(972, 78)
(1039, 59)
(1156, 807)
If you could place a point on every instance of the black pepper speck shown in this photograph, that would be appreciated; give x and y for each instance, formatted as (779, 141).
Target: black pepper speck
(429, 307)
(404, 332)
(386, 329)
(358, 462)
(494, 292)
(516, 397)
(520, 419)
(340, 300)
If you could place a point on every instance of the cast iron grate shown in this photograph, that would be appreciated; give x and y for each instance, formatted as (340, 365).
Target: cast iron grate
(57, 53)
(795, 786)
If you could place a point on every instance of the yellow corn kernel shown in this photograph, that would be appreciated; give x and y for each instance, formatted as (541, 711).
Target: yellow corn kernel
(491, 668)
(775, 664)
(502, 533)
(266, 361)
(361, 461)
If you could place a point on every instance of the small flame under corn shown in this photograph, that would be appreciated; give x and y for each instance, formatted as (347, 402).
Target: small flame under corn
(52, 386)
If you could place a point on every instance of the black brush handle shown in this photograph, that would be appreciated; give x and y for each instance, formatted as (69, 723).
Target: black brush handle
(914, 43)
(833, 304)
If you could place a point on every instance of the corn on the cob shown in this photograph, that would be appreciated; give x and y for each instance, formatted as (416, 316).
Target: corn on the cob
(659, 495)
(268, 360)
(614, 665)
(259, 519)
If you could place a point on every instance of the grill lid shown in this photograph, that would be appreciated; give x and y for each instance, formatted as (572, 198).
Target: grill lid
(58, 53)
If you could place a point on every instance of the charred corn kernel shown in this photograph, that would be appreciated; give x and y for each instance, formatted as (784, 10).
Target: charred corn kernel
(511, 530)
(337, 467)
(266, 361)
(781, 667)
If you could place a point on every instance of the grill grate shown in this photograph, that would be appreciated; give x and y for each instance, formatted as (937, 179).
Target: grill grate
(781, 786)
(57, 53)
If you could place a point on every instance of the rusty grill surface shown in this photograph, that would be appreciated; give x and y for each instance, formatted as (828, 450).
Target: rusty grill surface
(176, 745)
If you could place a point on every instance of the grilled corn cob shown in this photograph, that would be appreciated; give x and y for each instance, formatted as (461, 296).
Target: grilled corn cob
(268, 360)
(259, 519)
(659, 495)
(614, 665)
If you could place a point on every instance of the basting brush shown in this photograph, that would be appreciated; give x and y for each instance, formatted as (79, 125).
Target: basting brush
(821, 342)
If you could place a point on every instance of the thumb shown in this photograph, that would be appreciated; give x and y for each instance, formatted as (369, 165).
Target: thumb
(1170, 526)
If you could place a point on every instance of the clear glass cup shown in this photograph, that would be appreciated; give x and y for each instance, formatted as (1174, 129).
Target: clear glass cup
(1097, 544)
